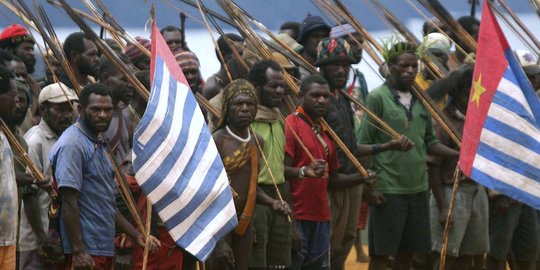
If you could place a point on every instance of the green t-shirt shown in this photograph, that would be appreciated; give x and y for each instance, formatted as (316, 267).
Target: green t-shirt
(273, 134)
(399, 172)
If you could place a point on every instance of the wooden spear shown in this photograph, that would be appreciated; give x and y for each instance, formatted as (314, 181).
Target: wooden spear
(519, 22)
(437, 9)
(107, 51)
(26, 159)
(428, 103)
(54, 46)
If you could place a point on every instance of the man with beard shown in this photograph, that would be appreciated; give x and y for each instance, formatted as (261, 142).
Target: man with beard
(13, 122)
(117, 135)
(17, 40)
(312, 30)
(400, 225)
(56, 103)
(237, 146)
(272, 248)
(310, 179)
(82, 55)
(8, 184)
(85, 178)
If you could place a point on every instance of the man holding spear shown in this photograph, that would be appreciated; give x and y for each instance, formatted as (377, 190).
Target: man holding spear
(400, 226)
(85, 175)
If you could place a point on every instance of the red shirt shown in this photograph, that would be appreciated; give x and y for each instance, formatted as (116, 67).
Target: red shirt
(309, 195)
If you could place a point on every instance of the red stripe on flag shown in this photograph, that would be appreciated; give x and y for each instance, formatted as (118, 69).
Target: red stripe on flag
(489, 69)
(161, 50)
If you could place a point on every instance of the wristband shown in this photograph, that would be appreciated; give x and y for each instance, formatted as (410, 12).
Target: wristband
(301, 173)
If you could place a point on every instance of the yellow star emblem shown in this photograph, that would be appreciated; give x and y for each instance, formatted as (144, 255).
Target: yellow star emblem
(478, 90)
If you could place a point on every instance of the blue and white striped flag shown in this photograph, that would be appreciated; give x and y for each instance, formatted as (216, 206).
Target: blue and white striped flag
(501, 139)
(176, 161)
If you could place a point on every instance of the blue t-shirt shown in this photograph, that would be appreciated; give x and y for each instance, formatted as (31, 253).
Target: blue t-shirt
(79, 160)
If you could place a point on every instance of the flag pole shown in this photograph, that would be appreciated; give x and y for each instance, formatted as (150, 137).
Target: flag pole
(444, 248)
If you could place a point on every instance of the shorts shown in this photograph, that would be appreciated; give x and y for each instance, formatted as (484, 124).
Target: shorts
(469, 233)
(8, 257)
(315, 245)
(401, 223)
(272, 245)
(516, 231)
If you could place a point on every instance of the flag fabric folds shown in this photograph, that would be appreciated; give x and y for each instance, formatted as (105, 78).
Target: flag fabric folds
(501, 138)
(176, 161)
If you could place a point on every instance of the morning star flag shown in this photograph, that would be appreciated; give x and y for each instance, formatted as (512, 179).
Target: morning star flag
(177, 163)
(501, 139)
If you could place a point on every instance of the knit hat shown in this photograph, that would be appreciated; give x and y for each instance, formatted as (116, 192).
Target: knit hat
(310, 24)
(13, 35)
(333, 49)
(134, 54)
(438, 41)
(187, 59)
(342, 31)
(233, 89)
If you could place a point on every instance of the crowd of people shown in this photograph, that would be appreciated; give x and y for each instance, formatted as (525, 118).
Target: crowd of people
(300, 197)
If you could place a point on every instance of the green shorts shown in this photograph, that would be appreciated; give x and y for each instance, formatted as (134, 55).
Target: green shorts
(401, 223)
(272, 246)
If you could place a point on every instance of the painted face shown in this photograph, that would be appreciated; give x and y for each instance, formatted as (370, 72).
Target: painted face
(272, 93)
(403, 70)
(316, 100)
(25, 51)
(8, 101)
(242, 111)
(336, 73)
(97, 115)
(88, 61)
(173, 40)
(59, 116)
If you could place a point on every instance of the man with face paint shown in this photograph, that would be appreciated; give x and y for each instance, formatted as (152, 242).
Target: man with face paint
(400, 225)
(238, 148)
